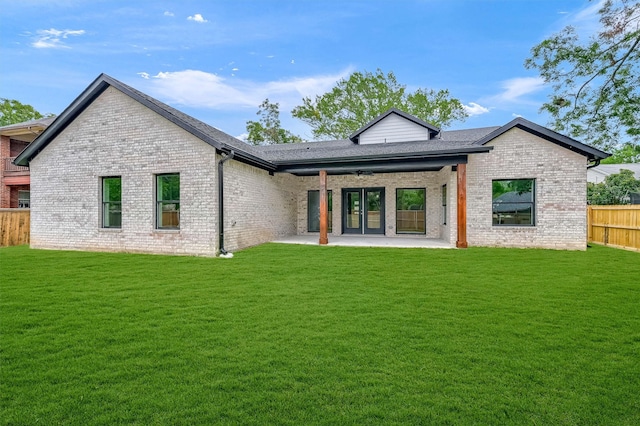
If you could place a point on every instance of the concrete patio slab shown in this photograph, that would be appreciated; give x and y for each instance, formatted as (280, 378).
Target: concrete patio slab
(369, 241)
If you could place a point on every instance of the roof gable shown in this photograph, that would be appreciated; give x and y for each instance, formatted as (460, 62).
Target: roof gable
(430, 129)
(593, 154)
(214, 137)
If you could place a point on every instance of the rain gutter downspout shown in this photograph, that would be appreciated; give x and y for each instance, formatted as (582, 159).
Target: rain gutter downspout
(596, 164)
(225, 158)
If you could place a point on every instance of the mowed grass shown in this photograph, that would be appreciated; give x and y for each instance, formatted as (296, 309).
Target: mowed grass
(285, 334)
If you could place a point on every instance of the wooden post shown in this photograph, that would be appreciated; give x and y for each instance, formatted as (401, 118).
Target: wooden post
(462, 206)
(323, 208)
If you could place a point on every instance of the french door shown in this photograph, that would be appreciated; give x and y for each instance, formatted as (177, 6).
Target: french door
(363, 211)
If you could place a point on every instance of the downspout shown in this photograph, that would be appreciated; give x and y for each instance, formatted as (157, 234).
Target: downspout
(225, 158)
(596, 164)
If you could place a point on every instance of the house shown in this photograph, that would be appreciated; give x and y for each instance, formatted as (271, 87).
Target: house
(14, 180)
(121, 171)
(599, 173)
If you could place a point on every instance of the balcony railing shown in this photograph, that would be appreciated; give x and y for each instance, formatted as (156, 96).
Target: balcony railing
(10, 167)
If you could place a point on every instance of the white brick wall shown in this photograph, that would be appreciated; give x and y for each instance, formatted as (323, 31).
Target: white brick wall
(560, 177)
(258, 207)
(117, 136)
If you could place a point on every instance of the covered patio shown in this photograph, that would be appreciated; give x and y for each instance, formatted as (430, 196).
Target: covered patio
(370, 241)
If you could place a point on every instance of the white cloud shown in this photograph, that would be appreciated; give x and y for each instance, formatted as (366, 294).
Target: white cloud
(516, 115)
(144, 75)
(243, 136)
(475, 109)
(197, 18)
(52, 38)
(167, 13)
(199, 89)
(516, 88)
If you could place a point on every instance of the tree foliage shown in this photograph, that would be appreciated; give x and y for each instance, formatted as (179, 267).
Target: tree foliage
(12, 112)
(614, 190)
(363, 96)
(267, 130)
(627, 153)
(596, 83)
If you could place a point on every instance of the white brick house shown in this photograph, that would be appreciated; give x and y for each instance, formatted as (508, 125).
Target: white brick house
(121, 171)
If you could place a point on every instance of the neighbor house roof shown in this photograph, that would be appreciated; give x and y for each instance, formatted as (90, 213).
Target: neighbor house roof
(599, 173)
(28, 130)
(338, 156)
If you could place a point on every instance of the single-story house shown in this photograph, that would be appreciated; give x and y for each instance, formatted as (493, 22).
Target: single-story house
(121, 171)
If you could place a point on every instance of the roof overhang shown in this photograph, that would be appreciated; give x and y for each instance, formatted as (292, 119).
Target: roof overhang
(378, 164)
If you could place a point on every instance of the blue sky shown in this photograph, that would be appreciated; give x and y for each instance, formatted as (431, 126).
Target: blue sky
(217, 60)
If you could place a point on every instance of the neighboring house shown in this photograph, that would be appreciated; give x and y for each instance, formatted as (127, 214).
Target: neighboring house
(14, 180)
(599, 173)
(121, 171)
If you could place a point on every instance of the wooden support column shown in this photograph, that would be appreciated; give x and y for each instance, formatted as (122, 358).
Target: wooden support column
(324, 226)
(462, 206)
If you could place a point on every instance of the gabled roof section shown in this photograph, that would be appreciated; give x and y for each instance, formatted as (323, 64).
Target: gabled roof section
(593, 154)
(214, 137)
(356, 135)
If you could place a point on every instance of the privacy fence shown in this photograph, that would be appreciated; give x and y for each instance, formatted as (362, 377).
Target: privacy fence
(14, 227)
(616, 226)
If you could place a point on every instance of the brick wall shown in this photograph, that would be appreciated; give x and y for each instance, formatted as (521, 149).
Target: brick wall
(5, 192)
(117, 136)
(560, 177)
(258, 207)
(431, 181)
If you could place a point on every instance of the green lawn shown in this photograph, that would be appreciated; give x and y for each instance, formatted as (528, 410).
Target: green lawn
(286, 334)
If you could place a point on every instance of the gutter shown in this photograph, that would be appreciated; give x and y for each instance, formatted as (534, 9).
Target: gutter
(223, 253)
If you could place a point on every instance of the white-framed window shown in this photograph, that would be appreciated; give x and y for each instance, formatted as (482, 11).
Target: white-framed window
(24, 199)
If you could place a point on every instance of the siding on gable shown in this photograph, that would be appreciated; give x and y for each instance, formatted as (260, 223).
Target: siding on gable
(394, 128)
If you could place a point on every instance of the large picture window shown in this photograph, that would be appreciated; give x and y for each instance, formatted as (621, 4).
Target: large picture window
(410, 213)
(112, 202)
(313, 211)
(168, 201)
(514, 202)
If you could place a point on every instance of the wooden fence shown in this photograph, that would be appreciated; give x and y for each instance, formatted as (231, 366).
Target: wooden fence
(616, 226)
(14, 227)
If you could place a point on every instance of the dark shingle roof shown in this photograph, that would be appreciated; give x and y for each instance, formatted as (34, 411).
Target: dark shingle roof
(445, 145)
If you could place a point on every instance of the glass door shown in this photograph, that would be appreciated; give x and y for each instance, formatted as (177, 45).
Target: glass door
(363, 211)
(374, 211)
(351, 211)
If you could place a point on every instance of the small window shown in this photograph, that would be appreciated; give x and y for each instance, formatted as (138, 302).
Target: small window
(24, 199)
(514, 202)
(313, 211)
(111, 202)
(444, 204)
(168, 201)
(410, 212)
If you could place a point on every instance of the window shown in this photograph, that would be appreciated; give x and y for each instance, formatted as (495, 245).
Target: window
(24, 199)
(313, 211)
(514, 202)
(410, 213)
(444, 204)
(111, 202)
(168, 201)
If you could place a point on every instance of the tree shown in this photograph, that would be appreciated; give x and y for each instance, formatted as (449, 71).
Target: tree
(614, 190)
(12, 112)
(355, 101)
(627, 153)
(267, 130)
(596, 95)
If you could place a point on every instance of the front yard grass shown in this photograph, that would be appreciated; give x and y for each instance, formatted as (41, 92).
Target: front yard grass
(287, 334)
